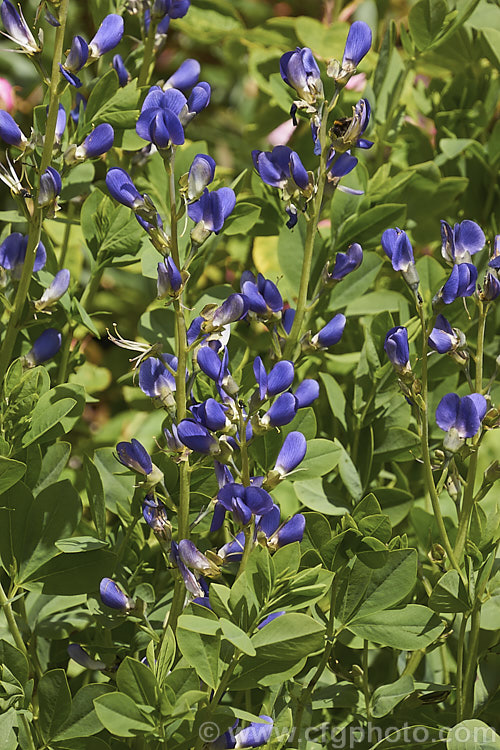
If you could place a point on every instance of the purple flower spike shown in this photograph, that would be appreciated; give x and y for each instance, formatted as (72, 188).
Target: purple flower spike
(397, 348)
(96, 143)
(196, 437)
(122, 189)
(13, 253)
(78, 654)
(460, 417)
(134, 456)
(331, 333)
(300, 71)
(256, 734)
(358, 43)
(201, 174)
(212, 209)
(306, 393)
(461, 283)
(159, 120)
(185, 77)
(10, 132)
(45, 347)
(291, 454)
(112, 596)
(279, 167)
(282, 411)
(55, 291)
(50, 186)
(461, 242)
(17, 28)
(347, 262)
(443, 337)
(121, 70)
(108, 35)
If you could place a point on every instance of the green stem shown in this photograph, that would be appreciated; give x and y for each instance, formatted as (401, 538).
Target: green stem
(413, 662)
(460, 667)
(11, 622)
(468, 498)
(366, 687)
(27, 730)
(65, 352)
(312, 225)
(306, 694)
(67, 232)
(249, 543)
(471, 665)
(148, 54)
(426, 454)
(226, 677)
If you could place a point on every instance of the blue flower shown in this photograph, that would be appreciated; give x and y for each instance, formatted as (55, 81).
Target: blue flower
(491, 288)
(197, 438)
(17, 28)
(79, 102)
(281, 412)
(112, 596)
(216, 369)
(231, 551)
(291, 454)
(201, 173)
(78, 654)
(243, 502)
(210, 212)
(185, 77)
(461, 242)
(193, 558)
(347, 134)
(159, 119)
(460, 417)
(169, 279)
(157, 382)
(60, 123)
(13, 253)
(443, 338)
(345, 263)
(134, 456)
(300, 71)
(280, 378)
(331, 333)
(10, 132)
(96, 143)
(75, 60)
(190, 581)
(398, 249)
(279, 166)
(55, 291)
(198, 100)
(211, 415)
(50, 187)
(306, 393)
(123, 190)
(232, 309)
(178, 8)
(45, 347)
(108, 35)
(121, 70)
(288, 533)
(358, 43)
(339, 165)
(264, 299)
(154, 513)
(461, 283)
(397, 348)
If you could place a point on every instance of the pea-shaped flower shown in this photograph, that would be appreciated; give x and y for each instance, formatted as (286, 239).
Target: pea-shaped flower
(17, 28)
(263, 296)
(156, 381)
(121, 70)
(108, 35)
(443, 338)
(331, 333)
(243, 502)
(95, 144)
(461, 242)
(201, 174)
(460, 418)
(45, 347)
(75, 60)
(397, 348)
(55, 291)
(210, 212)
(112, 596)
(50, 187)
(280, 378)
(461, 283)
(159, 120)
(134, 456)
(397, 247)
(300, 71)
(345, 263)
(13, 252)
(185, 77)
(358, 43)
(10, 132)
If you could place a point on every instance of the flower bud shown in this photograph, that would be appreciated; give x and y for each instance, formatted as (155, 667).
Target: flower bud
(112, 596)
(55, 291)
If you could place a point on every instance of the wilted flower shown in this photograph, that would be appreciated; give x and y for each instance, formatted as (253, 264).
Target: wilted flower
(201, 173)
(460, 417)
(346, 133)
(193, 558)
(50, 187)
(169, 279)
(232, 309)
(154, 513)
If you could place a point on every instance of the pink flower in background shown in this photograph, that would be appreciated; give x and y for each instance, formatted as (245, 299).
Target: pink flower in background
(7, 98)
(356, 82)
(282, 134)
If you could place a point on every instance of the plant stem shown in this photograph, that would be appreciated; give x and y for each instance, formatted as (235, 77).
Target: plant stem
(426, 454)
(226, 677)
(148, 54)
(11, 622)
(468, 498)
(460, 667)
(65, 352)
(249, 543)
(37, 218)
(366, 687)
(307, 692)
(312, 226)
(67, 232)
(471, 663)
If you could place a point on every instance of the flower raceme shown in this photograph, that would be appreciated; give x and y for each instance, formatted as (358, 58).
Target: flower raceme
(460, 418)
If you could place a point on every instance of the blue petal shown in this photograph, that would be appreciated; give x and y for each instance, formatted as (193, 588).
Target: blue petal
(282, 411)
(447, 411)
(112, 595)
(121, 70)
(258, 500)
(280, 378)
(122, 188)
(256, 734)
(332, 332)
(99, 141)
(292, 531)
(306, 393)
(46, 346)
(210, 363)
(469, 238)
(358, 43)
(108, 35)
(10, 131)
(186, 76)
(196, 437)
(292, 452)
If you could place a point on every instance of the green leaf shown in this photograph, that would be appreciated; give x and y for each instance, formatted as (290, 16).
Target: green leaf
(387, 697)
(335, 396)
(95, 494)
(119, 715)
(79, 544)
(311, 493)
(101, 94)
(237, 637)
(322, 456)
(166, 656)
(349, 473)
(82, 720)
(15, 505)
(47, 413)
(108, 229)
(15, 661)
(396, 444)
(244, 216)
(10, 472)
(53, 462)
(82, 316)
(54, 700)
(367, 227)
(449, 594)
(137, 681)
(410, 628)
(426, 21)
(472, 734)
(77, 573)
(201, 652)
